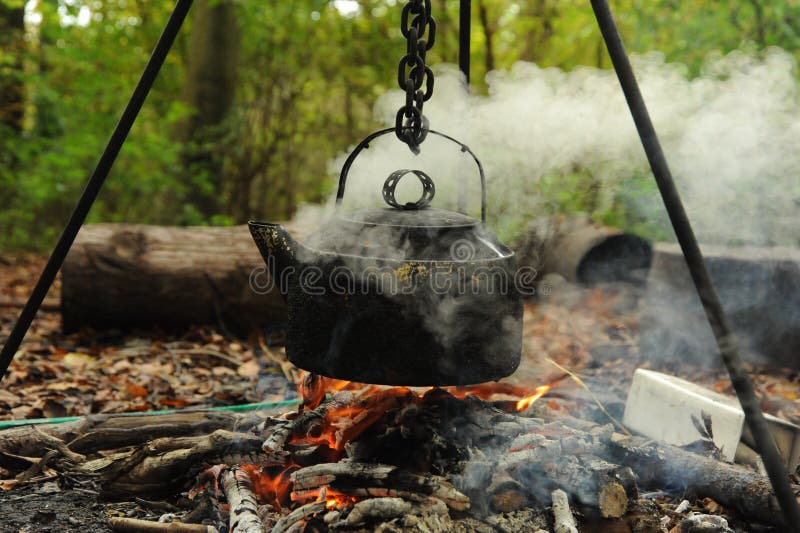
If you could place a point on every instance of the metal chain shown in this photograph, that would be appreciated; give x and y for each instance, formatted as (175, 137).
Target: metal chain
(411, 126)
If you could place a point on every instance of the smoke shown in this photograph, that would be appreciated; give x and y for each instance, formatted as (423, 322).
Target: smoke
(731, 137)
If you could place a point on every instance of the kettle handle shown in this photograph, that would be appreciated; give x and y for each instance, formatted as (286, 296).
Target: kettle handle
(365, 144)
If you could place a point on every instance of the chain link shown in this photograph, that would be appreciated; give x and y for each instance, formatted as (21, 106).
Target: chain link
(411, 126)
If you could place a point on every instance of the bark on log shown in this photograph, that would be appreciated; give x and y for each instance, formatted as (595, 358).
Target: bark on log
(123, 276)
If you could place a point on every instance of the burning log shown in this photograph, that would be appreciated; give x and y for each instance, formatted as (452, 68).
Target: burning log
(365, 458)
(377, 509)
(139, 275)
(563, 520)
(243, 506)
(298, 515)
(347, 476)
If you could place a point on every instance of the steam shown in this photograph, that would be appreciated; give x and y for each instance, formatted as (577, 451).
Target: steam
(731, 137)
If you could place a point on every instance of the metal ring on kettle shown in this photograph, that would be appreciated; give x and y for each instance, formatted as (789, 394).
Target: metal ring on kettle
(428, 190)
(372, 136)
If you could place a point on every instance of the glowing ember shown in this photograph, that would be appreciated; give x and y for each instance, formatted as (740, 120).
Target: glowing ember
(527, 401)
(271, 484)
(337, 500)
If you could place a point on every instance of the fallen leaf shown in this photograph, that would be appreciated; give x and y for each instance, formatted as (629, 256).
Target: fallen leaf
(174, 402)
(77, 361)
(136, 391)
(711, 506)
(249, 369)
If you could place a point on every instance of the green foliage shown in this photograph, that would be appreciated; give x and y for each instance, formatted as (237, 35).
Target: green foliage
(308, 76)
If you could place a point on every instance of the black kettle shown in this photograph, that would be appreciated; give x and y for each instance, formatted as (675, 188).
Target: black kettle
(402, 295)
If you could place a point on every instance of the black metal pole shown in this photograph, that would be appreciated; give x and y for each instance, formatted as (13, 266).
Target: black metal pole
(464, 30)
(94, 185)
(715, 314)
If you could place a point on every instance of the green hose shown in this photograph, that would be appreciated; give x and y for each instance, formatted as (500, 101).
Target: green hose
(5, 424)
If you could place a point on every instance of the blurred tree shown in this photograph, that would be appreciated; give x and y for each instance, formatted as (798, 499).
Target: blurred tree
(12, 82)
(257, 98)
(209, 90)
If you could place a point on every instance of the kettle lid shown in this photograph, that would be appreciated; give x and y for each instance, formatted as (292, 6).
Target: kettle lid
(422, 218)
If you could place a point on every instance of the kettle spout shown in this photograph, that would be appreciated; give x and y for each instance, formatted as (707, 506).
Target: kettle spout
(279, 250)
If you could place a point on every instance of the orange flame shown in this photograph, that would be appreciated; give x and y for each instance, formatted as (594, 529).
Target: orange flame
(527, 401)
(271, 484)
(337, 500)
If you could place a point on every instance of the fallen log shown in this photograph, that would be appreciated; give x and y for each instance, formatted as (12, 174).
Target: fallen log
(124, 276)
(759, 288)
(583, 252)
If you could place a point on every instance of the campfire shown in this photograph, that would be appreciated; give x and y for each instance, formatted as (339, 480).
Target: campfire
(356, 457)
(356, 454)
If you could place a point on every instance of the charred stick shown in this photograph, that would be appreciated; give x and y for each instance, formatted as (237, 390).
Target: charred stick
(133, 525)
(243, 506)
(347, 475)
(376, 509)
(301, 513)
(563, 520)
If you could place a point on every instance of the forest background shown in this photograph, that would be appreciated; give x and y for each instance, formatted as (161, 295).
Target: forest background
(258, 97)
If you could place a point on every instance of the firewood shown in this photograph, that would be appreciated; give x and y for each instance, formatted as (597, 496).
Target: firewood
(597, 483)
(133, 525)
(563, 520)
(347, 474)
(159, 467)
(736, 487)
(376, 509)
(274, 446)
(301, 513)
(643, 516)
(507, 494)
(238, 490)
(107, 432)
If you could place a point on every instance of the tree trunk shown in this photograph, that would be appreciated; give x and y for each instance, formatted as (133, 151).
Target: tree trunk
(122, 276)
(541, 14)
(488, 32)
(12, 87)
(209, 90)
